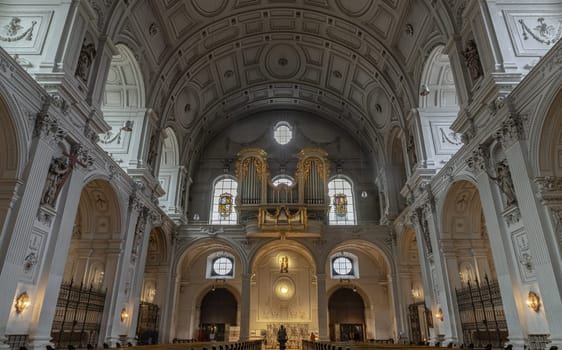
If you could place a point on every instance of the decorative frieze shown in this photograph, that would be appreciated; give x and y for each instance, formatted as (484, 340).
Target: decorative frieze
(542, 32)
(14, 31)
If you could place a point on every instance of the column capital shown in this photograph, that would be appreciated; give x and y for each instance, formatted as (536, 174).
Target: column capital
(479, 160)
(47, 127)
(511, 130)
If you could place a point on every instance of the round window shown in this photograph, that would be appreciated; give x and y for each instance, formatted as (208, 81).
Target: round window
(342, 265)
(222, 266)
(282, 133)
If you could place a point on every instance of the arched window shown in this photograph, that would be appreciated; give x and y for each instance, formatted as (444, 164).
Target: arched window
(220, 265)
(222, 208)
(344, 266)
(282, 179)
(342, 206)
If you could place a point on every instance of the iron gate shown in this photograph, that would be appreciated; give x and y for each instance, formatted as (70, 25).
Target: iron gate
(481, 313)
(77, 316)
(147, 325)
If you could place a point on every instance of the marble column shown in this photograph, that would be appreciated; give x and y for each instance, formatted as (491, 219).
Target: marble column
(245, 307)
(542, 240)
(502, 253)
(19, 228)
(54, 263)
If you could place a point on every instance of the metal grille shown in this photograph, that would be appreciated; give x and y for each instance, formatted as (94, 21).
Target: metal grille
(481, 313)
(16, 341)
(78, 316)
(538, 341)
(147, 325)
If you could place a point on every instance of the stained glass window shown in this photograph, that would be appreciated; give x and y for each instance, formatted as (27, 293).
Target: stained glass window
(342, 209)
(222, 208)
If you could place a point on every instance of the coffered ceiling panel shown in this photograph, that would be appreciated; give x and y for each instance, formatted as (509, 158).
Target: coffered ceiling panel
(346, 60)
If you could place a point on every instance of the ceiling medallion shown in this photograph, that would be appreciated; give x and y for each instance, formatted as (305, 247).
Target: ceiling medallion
(337, 74)
(229, 73)
(282, 61)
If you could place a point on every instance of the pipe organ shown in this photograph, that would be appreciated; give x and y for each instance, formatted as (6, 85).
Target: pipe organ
(297, 208)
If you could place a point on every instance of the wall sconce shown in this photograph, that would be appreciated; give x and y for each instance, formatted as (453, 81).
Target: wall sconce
(22, 302)
(416, 292)
(124, 315)
(534, 301)
(439, 315)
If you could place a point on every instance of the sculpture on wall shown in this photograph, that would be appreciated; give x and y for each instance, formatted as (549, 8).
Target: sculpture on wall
(472, 59)
(85, 61)
(58, 172)
(505, 183)
(411, 149)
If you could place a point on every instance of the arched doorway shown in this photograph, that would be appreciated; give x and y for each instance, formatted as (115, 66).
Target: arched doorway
(413, 292)
(218, 312)
(153, 293)
(347, 315)
(90, 268)
(204, 268)
(471, 267)
(368, 274)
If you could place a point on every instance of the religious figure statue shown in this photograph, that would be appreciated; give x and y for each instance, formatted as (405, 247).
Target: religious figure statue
(282, 337)
(472, 58)
(55, 180)
(85, 61)
(284, 264)
(505, 183)
(411, 149)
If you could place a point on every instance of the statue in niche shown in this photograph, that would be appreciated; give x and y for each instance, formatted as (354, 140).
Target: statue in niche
(58, 173)
(85, 61)
(284, 264)
(472, 59)
(411, 150)
(504, 182)
(152, 150)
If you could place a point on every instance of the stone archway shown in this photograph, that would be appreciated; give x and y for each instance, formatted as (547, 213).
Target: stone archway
(373, 282)
(470, 266)
(194, 281)
(284, 293)
(347, 315)
(9, 159)
(91, 266)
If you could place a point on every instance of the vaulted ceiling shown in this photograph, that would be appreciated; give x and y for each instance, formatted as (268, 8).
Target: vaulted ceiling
(355, 62)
